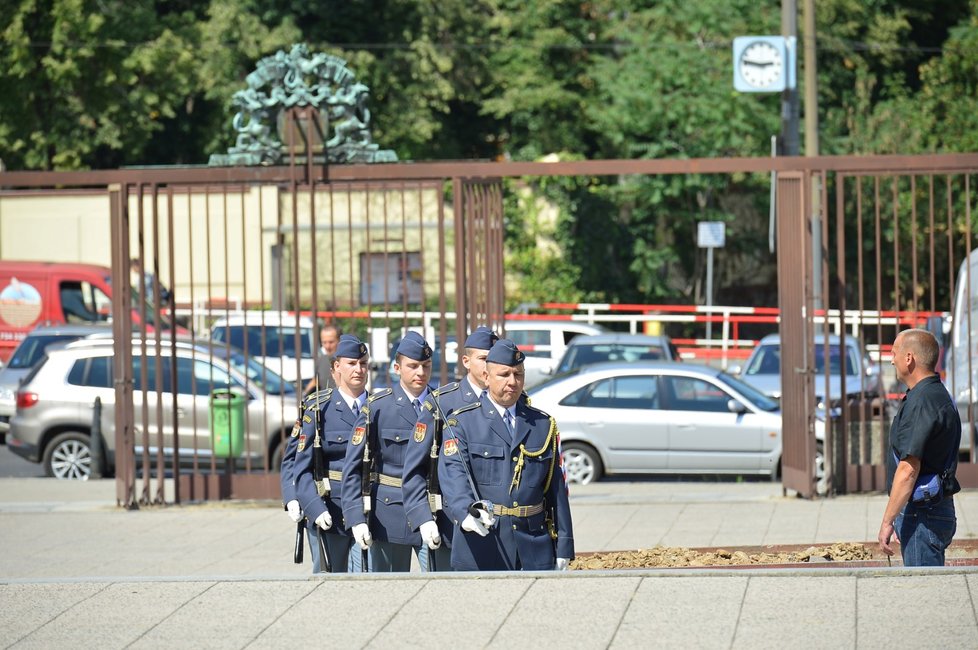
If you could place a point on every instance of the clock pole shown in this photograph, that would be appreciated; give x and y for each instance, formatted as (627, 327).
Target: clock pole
(789, 96)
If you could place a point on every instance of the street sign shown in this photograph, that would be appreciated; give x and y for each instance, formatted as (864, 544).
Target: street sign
(710, 234)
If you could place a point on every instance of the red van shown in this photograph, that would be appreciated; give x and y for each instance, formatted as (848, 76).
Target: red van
(51, 293)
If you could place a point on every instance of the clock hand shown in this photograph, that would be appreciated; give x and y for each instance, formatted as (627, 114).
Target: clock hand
(759, 64)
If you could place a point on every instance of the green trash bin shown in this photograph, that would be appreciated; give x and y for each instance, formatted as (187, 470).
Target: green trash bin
(227, 420)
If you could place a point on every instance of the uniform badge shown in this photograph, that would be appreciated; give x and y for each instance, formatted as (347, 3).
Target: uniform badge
(358, 435)
(302, 442)
(296, 428)
(419, 432)
(451, 447)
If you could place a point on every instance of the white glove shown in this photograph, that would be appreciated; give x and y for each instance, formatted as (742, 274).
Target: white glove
(429, 534)
(473, 525)
(562, 564)
(485, 513)
(324, 521)
(295, 512)
(361, 533)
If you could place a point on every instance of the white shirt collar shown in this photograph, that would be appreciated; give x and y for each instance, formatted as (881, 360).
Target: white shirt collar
(362, 398)
(502, 409)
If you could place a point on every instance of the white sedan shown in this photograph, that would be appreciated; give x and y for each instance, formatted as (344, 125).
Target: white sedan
(662, 418)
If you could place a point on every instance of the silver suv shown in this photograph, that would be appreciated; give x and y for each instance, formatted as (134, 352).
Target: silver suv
(53, 421)
(28, 352)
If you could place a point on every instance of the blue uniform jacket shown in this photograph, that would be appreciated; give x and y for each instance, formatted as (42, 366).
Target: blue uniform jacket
(493, 457)
(386, 423)
(336, 422)
(417, 457)
(286, 477)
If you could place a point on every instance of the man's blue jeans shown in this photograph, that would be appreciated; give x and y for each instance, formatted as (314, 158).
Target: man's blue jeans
(925, 532)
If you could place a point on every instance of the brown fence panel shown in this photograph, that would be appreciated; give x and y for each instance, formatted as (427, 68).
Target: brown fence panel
(379, 249)
(900, 235)
(795, 302)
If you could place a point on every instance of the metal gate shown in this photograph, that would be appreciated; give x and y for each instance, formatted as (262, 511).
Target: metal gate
(377, 249)
(375, 257)
(888, 254)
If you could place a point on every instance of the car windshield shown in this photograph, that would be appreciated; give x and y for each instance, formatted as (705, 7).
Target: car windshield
(278, 340)
(259, 374)
(759, 399)
(585, 354)
(32, 349)
(767, 361)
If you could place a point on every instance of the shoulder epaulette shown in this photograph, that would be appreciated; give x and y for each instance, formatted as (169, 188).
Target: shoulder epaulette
(318, 399)
(447, 388)
(321, 397)
(467, 407)
(536, 410)
(453, 416)
(384, 392)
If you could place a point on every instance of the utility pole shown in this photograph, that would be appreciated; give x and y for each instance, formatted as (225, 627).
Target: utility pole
(811, 82)
(811, 150)
(789, 96)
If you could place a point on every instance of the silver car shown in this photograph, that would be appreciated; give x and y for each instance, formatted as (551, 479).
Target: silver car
(661, 418)
(54, 415)
(29, 352)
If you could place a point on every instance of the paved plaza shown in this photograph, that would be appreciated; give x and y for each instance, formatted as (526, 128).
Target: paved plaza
(78, 571)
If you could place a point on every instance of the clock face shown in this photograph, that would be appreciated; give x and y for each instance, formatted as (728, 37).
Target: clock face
(760, 64)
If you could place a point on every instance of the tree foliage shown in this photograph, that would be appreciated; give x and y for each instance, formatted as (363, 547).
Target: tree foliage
(100, 84)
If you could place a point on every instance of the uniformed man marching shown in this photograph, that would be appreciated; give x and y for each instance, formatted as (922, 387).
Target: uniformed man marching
(334, 423)
(422, 495)
(310, 408)
(501, 477)
(374, 464)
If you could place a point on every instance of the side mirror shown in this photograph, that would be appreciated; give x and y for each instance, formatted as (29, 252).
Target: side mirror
(735, 370)
(735, 406)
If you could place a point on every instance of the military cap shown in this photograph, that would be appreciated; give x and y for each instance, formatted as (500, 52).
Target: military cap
(413, 346)
(506, 353)
(481, 338)
(350, 347)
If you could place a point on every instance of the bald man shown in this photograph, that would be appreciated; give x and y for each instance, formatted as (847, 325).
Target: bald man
(924, 441)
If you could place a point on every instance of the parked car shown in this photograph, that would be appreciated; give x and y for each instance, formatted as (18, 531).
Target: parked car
(30, 350)
(603, 348)
(662, 418)
(962, 351)
(270, 338)
(52, 424)
(544, 343)
(763, 369)
(39, 293)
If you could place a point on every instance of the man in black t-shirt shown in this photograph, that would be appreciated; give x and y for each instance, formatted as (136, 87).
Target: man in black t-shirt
(924, 441)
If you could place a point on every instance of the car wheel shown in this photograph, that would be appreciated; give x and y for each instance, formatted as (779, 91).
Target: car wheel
(275, 464)
(582, 465)
(69, 457)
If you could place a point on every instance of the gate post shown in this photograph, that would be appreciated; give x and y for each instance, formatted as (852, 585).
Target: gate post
(125, 476)
(795, 303)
